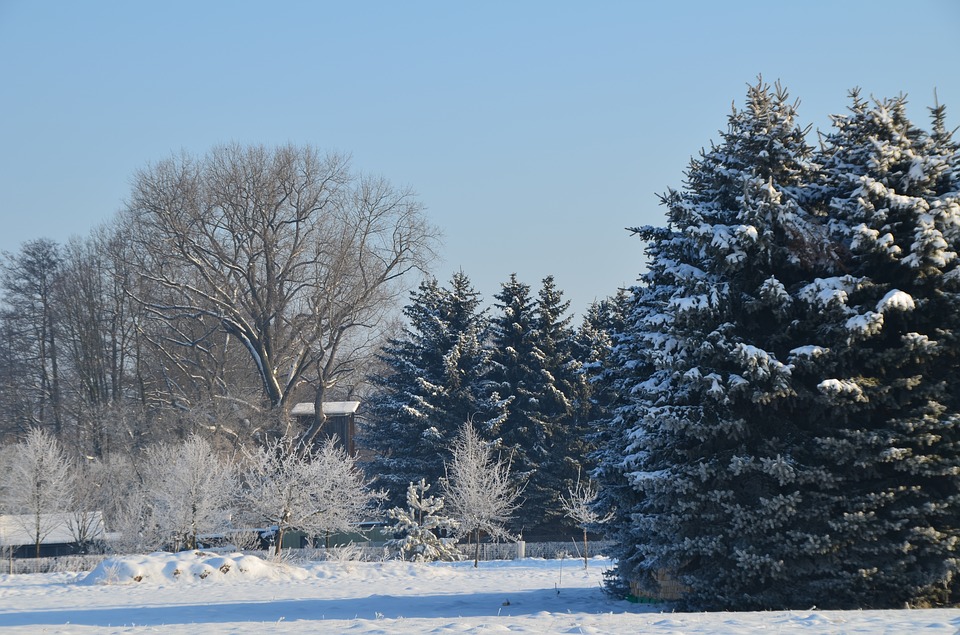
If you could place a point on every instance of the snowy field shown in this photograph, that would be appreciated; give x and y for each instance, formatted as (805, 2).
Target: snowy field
(183, 593)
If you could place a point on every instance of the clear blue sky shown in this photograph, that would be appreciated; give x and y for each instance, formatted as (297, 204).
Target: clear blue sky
(534, 132)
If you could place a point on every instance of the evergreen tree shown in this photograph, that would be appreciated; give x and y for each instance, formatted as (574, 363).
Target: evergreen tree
(517, 372)
(534, 367)
(892, 390)
(604, 326)
(565, 403)
(706, 459)
(420, 532)
(628, 360)
(436, 379)
(513, 343)
(602, 322)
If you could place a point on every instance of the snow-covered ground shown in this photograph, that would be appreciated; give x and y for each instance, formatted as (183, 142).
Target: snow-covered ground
(183, 593)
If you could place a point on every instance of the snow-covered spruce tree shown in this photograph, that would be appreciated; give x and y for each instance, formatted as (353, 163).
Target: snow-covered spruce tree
(479, 488)
(421, 533)
(535, 367)
(620, 499)
(565, 403)
(892, 388)
(604, 324)
(706, 462)
(436, 378)
(518, 373)
(601, 322)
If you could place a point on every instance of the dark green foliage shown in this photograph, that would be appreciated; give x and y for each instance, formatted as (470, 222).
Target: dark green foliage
(893, 395)
(436, 379)
(785, 429)
(536, 368)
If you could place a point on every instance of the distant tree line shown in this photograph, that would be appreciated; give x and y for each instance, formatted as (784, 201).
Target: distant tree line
(230, 285)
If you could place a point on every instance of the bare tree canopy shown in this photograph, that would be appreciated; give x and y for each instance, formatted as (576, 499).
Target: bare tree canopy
(581, 507)
(189, 490)
(39, 484)
(28, 281)
(481, 492)
(317, 490)
(287, 252)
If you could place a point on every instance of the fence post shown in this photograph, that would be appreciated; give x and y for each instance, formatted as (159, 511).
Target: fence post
(521, 550)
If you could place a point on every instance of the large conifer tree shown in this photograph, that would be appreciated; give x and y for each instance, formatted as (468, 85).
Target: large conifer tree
(536, 367)
(788, 373)
(564, 405)
(891, 389)
(435, 380)
(706, 461)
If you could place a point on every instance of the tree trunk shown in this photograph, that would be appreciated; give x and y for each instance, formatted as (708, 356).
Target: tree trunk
(319, 419)
(37, 535)
(585, 554)
(55, 384)
(476, 553)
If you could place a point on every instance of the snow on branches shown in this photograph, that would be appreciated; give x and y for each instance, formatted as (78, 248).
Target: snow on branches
(421, 533)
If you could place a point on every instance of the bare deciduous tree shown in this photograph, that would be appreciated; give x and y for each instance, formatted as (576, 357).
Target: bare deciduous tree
(39, 485)
(8, 454)
(97, 322)
(282, 250)
(138, 530)
(579, 507)
(479, 489)
(28, 280)
(111, 481)
(85, 516)
(189, 489)
(317, 491)
(15, 406)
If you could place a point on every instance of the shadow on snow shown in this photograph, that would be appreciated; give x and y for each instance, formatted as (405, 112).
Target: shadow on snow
(370, 608)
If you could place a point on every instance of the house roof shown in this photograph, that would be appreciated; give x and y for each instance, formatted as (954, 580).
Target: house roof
(330, 408)
(17, 530)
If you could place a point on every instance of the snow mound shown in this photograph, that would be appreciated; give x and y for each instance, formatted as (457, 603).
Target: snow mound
(189, 566)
